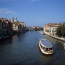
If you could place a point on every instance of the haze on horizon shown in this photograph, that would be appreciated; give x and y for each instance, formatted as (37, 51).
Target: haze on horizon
(34, 12)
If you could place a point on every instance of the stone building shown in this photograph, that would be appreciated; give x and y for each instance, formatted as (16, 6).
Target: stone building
(23, 26)
(5, 26)
(30, 28)
(39, 28)
(18, 26)
(34, 28)
(0, 27)
(50, 28)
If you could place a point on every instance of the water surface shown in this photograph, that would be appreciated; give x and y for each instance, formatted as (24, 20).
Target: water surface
(23, 49)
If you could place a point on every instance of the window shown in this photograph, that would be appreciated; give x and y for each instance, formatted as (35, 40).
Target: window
(50, 30)
(42, 46)
(46, 48)
(50, 48)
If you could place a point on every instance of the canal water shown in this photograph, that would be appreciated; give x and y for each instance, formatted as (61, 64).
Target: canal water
(23, 49)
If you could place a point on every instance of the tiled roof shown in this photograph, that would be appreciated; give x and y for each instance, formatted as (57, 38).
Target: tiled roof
(4, 20)
(53, 24)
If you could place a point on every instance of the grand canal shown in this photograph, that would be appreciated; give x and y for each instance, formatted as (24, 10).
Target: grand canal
(23, 49)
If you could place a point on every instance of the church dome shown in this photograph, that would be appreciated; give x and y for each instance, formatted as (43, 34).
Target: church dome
(16, 20)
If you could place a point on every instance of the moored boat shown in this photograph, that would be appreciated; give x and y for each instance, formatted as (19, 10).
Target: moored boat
(45, 46)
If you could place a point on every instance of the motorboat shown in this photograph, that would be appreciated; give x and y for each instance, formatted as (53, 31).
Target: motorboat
(45, 46)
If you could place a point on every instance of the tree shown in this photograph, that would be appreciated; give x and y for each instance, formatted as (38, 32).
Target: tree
(61, 30)
(58, 31)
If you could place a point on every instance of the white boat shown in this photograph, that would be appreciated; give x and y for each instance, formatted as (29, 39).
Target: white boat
(64, 46)
(45, 46)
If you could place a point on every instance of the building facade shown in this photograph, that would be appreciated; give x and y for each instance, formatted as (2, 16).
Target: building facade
(5, 27)
(50, 28)
(30, 28)
(34, 28)
(0, 27)
(39, 28)
(18, 26)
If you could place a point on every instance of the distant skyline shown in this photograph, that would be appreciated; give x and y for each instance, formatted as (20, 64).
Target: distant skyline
(34, 12)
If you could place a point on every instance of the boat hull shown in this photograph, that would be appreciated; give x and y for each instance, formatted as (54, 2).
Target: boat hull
(42, 50)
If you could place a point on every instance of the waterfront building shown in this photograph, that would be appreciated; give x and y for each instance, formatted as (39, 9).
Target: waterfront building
(18, 26)
(0, 27)
(15, 27)
(34, 28)
(23, 27)
(39, 28)
(5, 26)
(30, 28)
(50, 28)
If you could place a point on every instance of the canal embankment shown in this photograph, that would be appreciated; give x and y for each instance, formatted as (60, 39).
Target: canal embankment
(56, 37)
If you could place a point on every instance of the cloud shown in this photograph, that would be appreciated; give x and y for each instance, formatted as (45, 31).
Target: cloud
(34, 0)
(6, 11)
(6, 0)
(18, 0)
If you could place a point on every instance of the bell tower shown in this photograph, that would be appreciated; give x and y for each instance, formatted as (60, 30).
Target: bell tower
(13, 20)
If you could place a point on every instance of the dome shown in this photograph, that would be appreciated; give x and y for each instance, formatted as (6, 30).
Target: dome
(16, 20)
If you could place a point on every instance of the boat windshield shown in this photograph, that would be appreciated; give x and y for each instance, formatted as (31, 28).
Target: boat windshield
(50, 48)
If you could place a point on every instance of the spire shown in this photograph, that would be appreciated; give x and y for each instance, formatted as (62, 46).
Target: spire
(13, 20)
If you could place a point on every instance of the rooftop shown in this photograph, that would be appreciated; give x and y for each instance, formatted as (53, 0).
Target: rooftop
(46, 43)
(52, 24)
